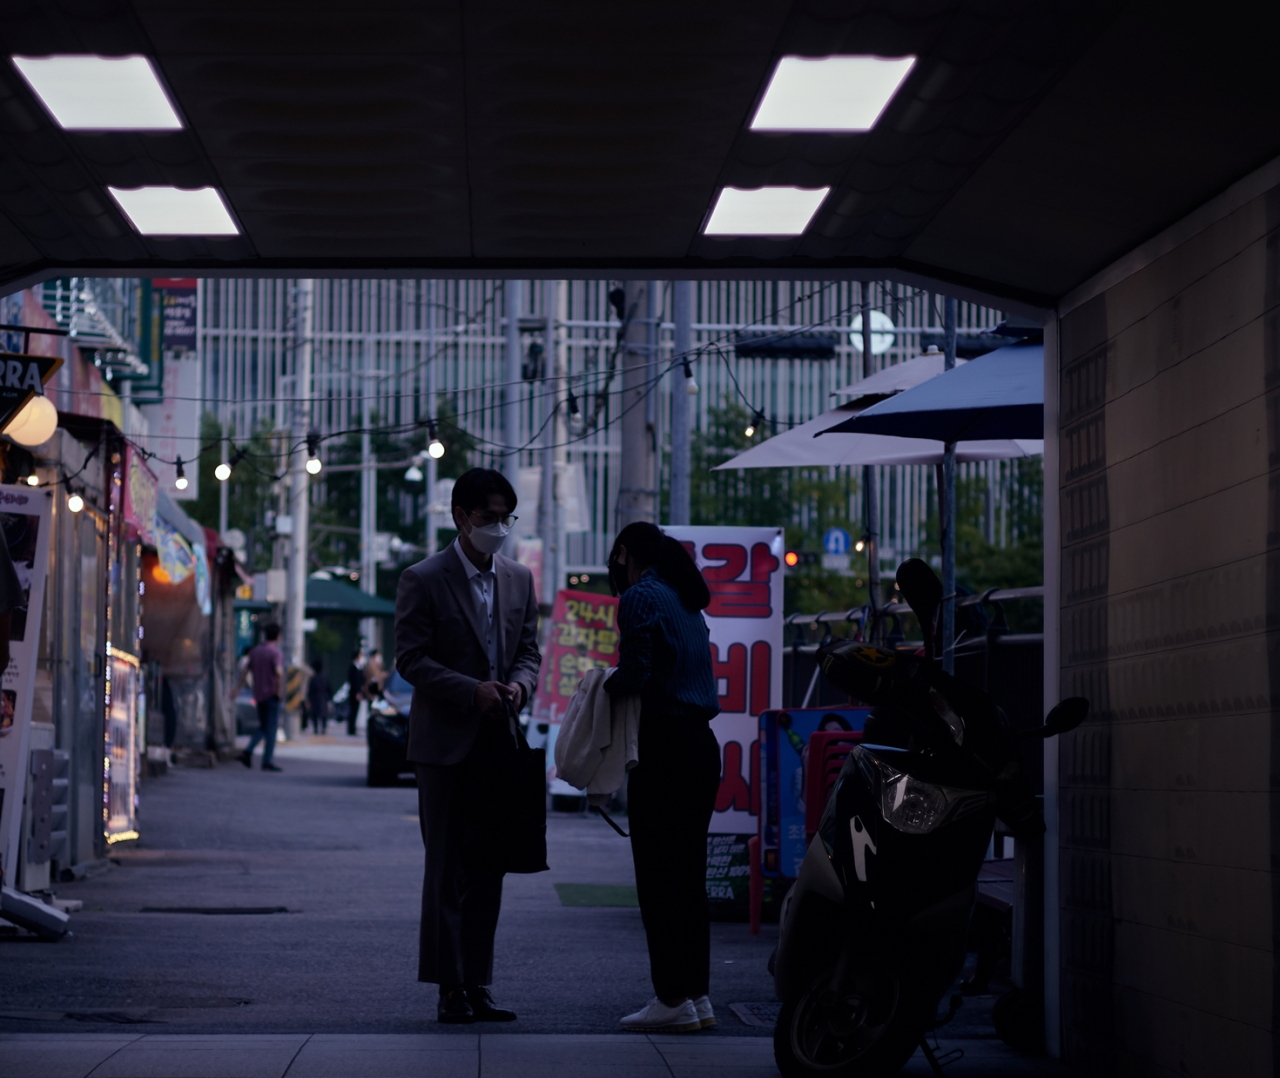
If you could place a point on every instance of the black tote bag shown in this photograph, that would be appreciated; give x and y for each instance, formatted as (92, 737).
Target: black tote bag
(524, 800)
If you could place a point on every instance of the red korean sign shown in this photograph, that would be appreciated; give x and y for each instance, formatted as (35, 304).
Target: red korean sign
(584, 635)
(743, 571)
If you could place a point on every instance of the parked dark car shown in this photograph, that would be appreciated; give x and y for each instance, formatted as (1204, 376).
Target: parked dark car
(388, 732)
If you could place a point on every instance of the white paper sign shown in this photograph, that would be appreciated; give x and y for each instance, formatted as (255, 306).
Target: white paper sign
(743, 569)
(25, 515)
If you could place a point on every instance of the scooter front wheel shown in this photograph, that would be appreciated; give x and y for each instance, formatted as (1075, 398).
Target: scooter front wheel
(864, 1030)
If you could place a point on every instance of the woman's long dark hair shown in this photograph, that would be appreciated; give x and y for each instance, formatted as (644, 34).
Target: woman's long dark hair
(650, 546)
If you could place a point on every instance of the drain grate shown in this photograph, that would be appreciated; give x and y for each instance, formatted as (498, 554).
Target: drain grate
(218, 910)
(757, 1014)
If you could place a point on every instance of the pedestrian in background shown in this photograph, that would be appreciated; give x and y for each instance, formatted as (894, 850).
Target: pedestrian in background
(664, 655)
(319, 697)
(375, 675)
(355, 689)
(266, 669)
(467, 641)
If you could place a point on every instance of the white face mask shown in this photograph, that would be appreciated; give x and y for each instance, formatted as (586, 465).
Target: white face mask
(489, 538)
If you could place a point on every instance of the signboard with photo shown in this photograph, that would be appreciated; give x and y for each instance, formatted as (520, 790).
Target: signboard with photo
(25, 519)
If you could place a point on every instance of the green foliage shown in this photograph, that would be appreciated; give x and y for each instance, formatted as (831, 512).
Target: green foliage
(806, 501)
(252, 490)
(335, 506)
(981, 564)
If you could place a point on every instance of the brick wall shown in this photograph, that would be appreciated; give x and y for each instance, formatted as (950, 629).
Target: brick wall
(1170, 518)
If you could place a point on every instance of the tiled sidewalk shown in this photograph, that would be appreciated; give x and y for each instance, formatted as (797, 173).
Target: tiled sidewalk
(414, 1055)
(429, 1055)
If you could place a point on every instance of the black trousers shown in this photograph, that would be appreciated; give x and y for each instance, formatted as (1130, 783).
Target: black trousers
(671, 795)
(459, 812)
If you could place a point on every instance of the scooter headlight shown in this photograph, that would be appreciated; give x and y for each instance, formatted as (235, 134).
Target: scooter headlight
(914, 807)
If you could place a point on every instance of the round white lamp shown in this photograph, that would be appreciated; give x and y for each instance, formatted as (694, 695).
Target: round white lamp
(35, 424)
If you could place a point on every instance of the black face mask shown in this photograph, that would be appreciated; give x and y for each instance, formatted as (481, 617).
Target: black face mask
(618, 579)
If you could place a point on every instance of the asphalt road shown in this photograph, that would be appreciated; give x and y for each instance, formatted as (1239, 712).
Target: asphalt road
(346, 863)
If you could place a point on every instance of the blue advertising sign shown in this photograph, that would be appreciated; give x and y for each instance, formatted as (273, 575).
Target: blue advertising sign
(784, 737)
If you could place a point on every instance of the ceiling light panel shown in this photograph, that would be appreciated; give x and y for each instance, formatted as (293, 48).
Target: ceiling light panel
(100, 93)
(835, 93)
(173, 211)
(764, 211)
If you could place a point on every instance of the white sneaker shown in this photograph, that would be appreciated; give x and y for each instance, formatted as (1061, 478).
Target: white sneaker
(706, 1016)
(656, 1015)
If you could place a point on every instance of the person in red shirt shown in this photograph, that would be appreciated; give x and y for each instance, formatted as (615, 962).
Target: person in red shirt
(266, 667)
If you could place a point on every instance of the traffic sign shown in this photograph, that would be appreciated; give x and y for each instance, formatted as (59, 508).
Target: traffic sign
(836, 541)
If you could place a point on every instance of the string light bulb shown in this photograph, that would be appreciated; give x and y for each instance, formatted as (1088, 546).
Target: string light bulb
(180, 479)
(33, 480)
(222, 472)
(313, 453)
(435, 447)
(757, 421)
(75, 503)
(690, 384)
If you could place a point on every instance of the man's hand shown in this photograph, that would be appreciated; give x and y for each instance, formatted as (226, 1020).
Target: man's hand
(489, 696)
(515, 693)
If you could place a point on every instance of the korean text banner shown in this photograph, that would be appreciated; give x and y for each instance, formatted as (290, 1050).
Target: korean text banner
(743, 570)
(584, 635)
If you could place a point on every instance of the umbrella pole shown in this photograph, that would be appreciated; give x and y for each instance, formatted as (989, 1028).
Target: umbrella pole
(947, 519)
(869, 485)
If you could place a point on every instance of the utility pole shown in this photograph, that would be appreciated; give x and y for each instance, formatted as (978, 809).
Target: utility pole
(430, 463)
(368, 495)
(547, 489)
(299, 492)
(948, 507)
(681, 379)
(637, 469)
(870, 478)
(224, 489)
(511, 391)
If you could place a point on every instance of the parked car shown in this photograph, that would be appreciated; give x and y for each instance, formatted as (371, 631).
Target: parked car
(388, 732)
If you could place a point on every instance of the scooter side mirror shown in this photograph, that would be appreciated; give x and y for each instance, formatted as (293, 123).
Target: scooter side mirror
(1069, 714)
(922, 590)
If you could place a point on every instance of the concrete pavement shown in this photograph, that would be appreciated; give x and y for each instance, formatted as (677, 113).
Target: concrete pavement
(328, 987)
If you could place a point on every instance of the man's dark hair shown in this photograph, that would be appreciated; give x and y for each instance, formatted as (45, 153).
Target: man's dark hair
(472, 489)
(272, 631)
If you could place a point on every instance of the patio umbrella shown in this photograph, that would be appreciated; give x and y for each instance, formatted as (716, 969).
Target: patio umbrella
(999, 395)
(799, 448)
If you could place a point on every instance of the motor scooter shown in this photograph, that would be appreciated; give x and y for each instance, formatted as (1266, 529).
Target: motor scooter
(873, 932)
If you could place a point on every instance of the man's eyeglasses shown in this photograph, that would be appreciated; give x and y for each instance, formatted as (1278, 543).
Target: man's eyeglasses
(482, 518)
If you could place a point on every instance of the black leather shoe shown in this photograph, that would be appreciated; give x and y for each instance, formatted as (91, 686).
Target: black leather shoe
(482, 1006)
(453, 1007)
(245, 759)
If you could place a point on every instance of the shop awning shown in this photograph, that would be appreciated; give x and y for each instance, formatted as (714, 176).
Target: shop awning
(331, 597)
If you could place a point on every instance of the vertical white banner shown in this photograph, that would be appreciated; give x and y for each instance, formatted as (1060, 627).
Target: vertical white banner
(743, 569)
(26, 517)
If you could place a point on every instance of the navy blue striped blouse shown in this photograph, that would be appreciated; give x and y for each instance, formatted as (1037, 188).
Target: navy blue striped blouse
(664, 653)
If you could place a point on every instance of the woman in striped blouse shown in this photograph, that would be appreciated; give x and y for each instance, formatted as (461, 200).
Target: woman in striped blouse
(664, 656)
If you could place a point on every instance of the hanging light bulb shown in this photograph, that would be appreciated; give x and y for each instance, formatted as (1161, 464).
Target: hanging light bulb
(33, 480)
(223, 471)
(313, 453)
(414, 474)
(435, 447)
(75, 503)
(180, 480)
(757, 421)
(690, 385)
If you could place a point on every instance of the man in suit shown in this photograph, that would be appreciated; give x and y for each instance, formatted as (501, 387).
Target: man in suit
(466, 640)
